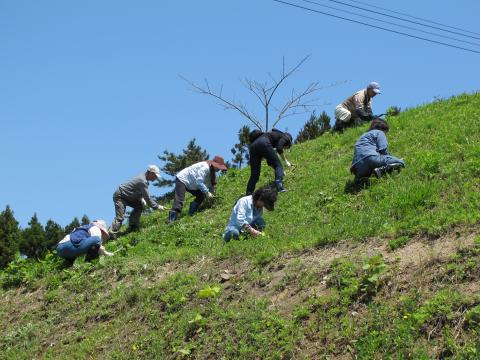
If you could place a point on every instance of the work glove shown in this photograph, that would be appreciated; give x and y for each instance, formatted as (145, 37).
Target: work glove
(144, 203)
(288, 163)
(160, 207)
(210, 195)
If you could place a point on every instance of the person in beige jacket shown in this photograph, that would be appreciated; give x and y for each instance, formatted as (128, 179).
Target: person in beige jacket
(357, 108)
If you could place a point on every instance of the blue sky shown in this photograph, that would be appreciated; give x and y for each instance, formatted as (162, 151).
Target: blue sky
(90, 93)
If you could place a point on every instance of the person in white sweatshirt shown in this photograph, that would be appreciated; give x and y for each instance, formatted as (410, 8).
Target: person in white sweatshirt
(84, 240)
(199, 180)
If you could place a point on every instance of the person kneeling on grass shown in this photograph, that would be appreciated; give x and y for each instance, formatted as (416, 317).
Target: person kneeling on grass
(199, 180)
(371, 155)
(84, 240)
(247, 214)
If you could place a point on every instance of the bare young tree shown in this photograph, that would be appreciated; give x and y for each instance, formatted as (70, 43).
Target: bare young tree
(297, 102)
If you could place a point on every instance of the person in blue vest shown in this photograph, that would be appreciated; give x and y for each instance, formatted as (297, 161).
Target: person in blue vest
(371, 154)
(84, 240)
(246, 217)
(266, 146)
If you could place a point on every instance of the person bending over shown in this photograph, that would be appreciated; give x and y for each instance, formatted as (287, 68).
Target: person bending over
(371, 153)
(266, 146)
(247, 214)
(199, 180)
(84, 240)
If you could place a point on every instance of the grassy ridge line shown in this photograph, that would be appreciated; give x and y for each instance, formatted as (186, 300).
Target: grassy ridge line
(438, 189)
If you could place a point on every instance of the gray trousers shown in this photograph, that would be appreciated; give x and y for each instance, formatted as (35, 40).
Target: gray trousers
(120, 205)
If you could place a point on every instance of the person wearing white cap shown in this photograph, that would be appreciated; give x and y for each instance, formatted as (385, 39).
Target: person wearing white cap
(133, 193)
(357, 108)
(84, 240)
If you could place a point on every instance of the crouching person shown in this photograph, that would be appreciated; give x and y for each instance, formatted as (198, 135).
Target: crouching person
(84, 240)
(134, 193)
(199, 180)
(371, 154)
(247, 214)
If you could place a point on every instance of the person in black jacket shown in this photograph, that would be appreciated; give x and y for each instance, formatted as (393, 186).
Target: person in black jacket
(263, 147)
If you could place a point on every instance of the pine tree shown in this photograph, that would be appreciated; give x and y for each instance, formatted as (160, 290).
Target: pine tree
(85, 220)
(53, 234)
(314, 127)
(240, 150)
(72, 226)
(10, 236)
(34, 243)
(174, 163)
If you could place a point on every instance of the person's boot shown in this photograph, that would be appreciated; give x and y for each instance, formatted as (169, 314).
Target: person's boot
(392, 167)
(279, 186)
(172, 216)
(193, 208)
(380, 171)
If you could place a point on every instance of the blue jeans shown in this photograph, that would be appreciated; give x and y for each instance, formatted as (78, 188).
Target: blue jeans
(67, 251)
(365, 166)
(234, 232)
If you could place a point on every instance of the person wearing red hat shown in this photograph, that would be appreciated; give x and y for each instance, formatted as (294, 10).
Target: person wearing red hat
(199, 180)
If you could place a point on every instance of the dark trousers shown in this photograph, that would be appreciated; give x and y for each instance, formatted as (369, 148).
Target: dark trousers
(262, 149)
(180, 190)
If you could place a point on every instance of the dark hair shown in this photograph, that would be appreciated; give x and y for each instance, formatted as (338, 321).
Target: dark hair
(379, 124)
(267, 195)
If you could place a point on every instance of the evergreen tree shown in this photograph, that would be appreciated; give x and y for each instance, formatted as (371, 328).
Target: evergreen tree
(314, 127)
(72, 226)
(53, 234)
(85, 220)
(10, 236)
(240, 150)
(34, 243)
(174, 163)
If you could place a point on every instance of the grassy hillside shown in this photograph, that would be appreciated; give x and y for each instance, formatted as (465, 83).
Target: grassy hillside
(392, 271)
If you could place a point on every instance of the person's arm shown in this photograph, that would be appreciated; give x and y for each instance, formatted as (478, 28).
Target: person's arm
(242, 219)
(382, 143)
(200, 175)
(146, 196)
(282, 155)
(282, 144)
(103, 252)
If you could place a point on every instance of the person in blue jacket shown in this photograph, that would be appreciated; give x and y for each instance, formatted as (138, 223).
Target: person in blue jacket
(247, 214)
(84, 240)
(371, 154)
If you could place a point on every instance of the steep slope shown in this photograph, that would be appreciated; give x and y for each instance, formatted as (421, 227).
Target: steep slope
(389, 272)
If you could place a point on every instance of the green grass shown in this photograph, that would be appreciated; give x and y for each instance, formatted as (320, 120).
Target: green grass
(160, 295)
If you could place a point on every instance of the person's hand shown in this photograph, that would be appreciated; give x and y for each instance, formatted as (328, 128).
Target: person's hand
(289, 164)
(144, 203)
(254, 232)
(160, 207)
(210, 195)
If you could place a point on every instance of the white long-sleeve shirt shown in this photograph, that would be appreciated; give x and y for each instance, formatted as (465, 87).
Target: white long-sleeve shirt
(196, 177)
(244, 212)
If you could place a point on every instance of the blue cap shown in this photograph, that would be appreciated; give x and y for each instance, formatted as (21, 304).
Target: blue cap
(375, 87)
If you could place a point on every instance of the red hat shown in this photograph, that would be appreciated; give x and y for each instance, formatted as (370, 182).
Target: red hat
(217, 163)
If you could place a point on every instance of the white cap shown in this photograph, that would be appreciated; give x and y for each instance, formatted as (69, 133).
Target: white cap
(154, 169)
